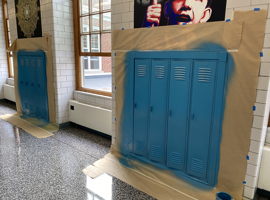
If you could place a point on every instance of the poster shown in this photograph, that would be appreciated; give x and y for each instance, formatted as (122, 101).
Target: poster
(28, 18)
(150, 13)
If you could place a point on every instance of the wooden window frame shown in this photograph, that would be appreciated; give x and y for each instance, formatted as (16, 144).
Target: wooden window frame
(77, 46)
(9, 54)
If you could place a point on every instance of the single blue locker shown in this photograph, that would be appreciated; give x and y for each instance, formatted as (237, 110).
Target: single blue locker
(141, 106)
(158, 110)
(178, 113)
(42, 88)
(32, 83)
(202, 103)
(24, 76)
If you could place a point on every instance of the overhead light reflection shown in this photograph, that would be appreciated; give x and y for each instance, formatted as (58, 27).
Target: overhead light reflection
(101, 185)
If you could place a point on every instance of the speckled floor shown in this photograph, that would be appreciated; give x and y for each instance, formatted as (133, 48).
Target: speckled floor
(51, 168)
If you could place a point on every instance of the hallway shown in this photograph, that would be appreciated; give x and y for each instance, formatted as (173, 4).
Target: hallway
(51, 168)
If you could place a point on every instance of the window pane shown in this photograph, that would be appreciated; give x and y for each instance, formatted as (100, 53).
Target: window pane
(95, 23)
(11, 65)
(95, 6)
(8, 25)
(106, 21)
(85, 43)
(85, 24)
(96, 73)
(95, 47)
(106, 42)
(84, 6)
(106, 4)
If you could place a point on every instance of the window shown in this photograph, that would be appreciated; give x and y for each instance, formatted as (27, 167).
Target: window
(8, 40)
(92, 37)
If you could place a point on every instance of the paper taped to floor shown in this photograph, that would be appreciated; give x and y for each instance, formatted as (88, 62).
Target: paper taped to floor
(26, 126)
(152, 187)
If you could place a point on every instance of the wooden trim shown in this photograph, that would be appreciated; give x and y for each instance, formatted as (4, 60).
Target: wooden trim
(5, 18)
(77, 48)
(100, 92)
(95, 54)
(77, 42)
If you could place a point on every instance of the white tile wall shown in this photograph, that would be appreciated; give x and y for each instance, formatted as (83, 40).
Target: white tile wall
(3, 55)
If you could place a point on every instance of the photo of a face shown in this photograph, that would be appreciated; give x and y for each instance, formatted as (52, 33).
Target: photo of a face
(151, 13)
(187, 11)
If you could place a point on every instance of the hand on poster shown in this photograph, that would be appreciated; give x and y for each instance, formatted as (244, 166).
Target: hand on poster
(154, 13)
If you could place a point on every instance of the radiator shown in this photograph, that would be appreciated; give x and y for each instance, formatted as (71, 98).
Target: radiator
(9, 92)
(264, 177)
(96, 118)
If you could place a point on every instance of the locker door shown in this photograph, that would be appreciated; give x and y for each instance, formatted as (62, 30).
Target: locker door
(178, 113)
(21, 82)
(24, 74)
(42, 87)
(158, 110)
(202, 100)
(141, 106)
(32, 82)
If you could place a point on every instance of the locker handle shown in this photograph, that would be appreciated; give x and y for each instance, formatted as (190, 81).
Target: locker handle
(135, 105)
(170, 112)
(151, 108)
(192, 116)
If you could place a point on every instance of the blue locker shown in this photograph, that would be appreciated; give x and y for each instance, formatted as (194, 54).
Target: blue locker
(42, 108)
(178, 113)
(158, 110)
(202, 103)
(32, 83)
(141, 106)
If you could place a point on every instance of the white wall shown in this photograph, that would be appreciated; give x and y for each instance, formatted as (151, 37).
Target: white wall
(63, 56)
(3, 55)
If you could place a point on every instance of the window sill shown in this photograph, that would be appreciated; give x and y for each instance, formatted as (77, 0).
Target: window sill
(10, 81)
(93, 99)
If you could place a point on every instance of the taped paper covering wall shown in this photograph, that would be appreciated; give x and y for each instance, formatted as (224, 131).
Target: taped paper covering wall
(245, 34)
(35, 44)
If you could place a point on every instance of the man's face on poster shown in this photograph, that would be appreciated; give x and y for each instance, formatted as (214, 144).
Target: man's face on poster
(187, 11)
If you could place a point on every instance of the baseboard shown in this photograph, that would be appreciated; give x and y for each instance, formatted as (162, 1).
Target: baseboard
(7, 101)
(64, 125)
(263, 193)
(72, 124)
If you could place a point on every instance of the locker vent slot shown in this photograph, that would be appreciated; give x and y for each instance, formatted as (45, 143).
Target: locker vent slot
(180, 73)
(156, 151)
(204, 75)
(140, 146)
(196, 165)
(175, 158)
(141, 70)
(27, 62)
(39, 63)
(159, 72)
(22, 62)
(33, 63)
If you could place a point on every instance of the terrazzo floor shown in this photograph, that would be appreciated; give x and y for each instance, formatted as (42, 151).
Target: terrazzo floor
(51, 168)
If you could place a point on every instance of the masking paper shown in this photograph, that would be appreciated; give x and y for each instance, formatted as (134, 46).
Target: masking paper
(36, 44)
(243, 38)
